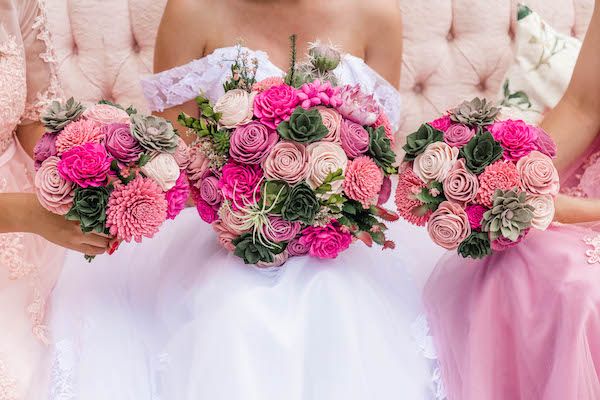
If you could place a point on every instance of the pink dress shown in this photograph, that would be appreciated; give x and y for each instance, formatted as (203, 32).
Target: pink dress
(28, 264)
(524, 324)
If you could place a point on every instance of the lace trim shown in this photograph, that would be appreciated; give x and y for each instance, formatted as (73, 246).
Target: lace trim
(12, 94)
(421, 334)
(62, 381)
(8, 385)
(54, 90)
(593, 255)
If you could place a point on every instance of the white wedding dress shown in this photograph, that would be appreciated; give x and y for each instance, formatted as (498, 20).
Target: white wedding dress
(178, 318)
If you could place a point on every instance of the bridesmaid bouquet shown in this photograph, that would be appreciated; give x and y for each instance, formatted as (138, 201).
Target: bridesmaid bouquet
(113, 170)
(292, 166)
(478, 183)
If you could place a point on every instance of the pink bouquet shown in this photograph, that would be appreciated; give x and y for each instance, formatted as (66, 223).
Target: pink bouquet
(290, 167)
(113, 170)
(478, 183)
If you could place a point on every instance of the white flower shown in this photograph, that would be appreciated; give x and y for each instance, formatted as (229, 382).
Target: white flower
(436, 162)
(543, 210)
(163, 169)
(323, 159)
(236, 108)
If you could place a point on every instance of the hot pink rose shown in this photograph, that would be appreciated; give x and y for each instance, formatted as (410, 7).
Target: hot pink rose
(475, 213)
(358, 106)
(503, 243)
(363, 181)
(461, 185)
(177, 196)
(106, 114)
(78, 133)
(240, 183)
(288, 161)
(458, 135)
(279, 230)
(319, 93)
(275, 105)
(442, 123)
(516, 137)
(332, 121)
(449, 225)
(326, 241)
(86, 165)
(538, 174)
(206, 211)
(251, 143)
(355, 139)
(54, 192)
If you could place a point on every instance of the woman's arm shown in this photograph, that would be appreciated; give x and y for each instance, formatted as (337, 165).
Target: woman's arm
(575, 121)
(576, 210)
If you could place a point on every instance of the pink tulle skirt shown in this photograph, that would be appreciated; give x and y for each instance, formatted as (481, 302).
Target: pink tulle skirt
(29, 267)
(523, 324)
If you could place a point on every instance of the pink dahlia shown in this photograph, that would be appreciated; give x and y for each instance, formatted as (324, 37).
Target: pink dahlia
(442, 123)
(240, 183)
(317, 93)
(267, 83)
(78, 133)
(136, 210)
(358, 106)
(363, 181)
(177, 196)
(86, 165)
(409, 207)
(326, 241)
(516, 137)
(275, 105)
(501, 175)
(383, 120)
(475, 213)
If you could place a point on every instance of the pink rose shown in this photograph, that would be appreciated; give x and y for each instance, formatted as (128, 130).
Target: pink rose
(86, 165)
(54, 192)
(235, 107)
(182, 154)
(240, 184)
(106, 114)
(78, 133)
(503, 243)
(120, 143)
(436, 162)
(225, 236)
(210, 192)
(363, 181)
(358, 106)
(545, 144)
(279, 230)
(251, 143)
(44, 148)
(323, 159)
(538, 174)
(442, 123)
(319, 93)
(516, 137)
(198, 166)
(295, 248)
(461, 185)
(233, 221)
(355, 139)
(206, 211)
(475, 213)
(543, 210)
(326, 241)
(163, 169)
(458, 135)
(275, 105)
(288, 162)
(332, 121)
(177, 197)
(449, 225)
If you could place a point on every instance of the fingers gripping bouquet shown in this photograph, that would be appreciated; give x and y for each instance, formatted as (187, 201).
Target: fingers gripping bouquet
(480, 184)
(113, 170)
(294, 166)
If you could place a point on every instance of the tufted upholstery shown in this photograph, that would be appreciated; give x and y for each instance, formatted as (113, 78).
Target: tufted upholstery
(454, 49)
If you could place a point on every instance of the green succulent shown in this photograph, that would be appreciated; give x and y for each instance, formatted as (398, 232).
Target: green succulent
(304, 126)
(475, 112)
(89, 208)
(59, 115)
(481, 151)
(301, 204)
(509, 216)
(477, 246)
(417, 142)
(253, 251)
(380, 148)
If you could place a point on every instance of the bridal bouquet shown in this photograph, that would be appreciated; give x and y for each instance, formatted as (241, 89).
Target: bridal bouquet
(294, 166)
(113, 170)
(480, 184)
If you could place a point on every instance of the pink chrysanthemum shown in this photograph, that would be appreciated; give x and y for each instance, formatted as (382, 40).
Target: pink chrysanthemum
(317, 93)
(267, 83)
(383, 120)
(409, 207)
(78, 133)
(177, 196)
(136, 210)
(475, 213)
(363, 181)
(501, 175)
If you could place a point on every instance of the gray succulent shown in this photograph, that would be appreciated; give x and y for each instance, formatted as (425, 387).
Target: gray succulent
(475, 112)
(154, 133)
(509, 216)
(58, 115)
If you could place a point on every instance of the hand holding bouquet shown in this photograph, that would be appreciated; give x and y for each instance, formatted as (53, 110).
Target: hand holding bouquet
(478, 183)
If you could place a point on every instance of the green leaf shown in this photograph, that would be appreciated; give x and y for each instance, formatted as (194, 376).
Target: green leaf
(143, 160)
(349, 208)
(523, 11)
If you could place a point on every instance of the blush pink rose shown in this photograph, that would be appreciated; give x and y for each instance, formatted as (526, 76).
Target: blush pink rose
(182, 154)
(251, 143)
(288, 162)
(355, 139)
(106, 114)
(475, 213)
(543, 210)
(363, 181)
(458, 135)
(275, 105)
(279, 230)
(436, 162)
(86, 165)
(538, 174)
(516, 137)
(326, 241)
(163, 169)
(240, 184)
(442, 123)
(358, 106)
(323, 159)
(77, 133)
(449, 225)
(461, 185)
(235, 107)
(198, 166)
(332, 121)
(224, 236)
(54, 192)
(233, 221)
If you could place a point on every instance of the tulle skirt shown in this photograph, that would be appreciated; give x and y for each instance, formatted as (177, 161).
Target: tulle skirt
(523, 324)
(177, 317)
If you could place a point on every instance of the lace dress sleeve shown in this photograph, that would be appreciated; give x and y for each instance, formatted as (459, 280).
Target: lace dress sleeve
(41, 66)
